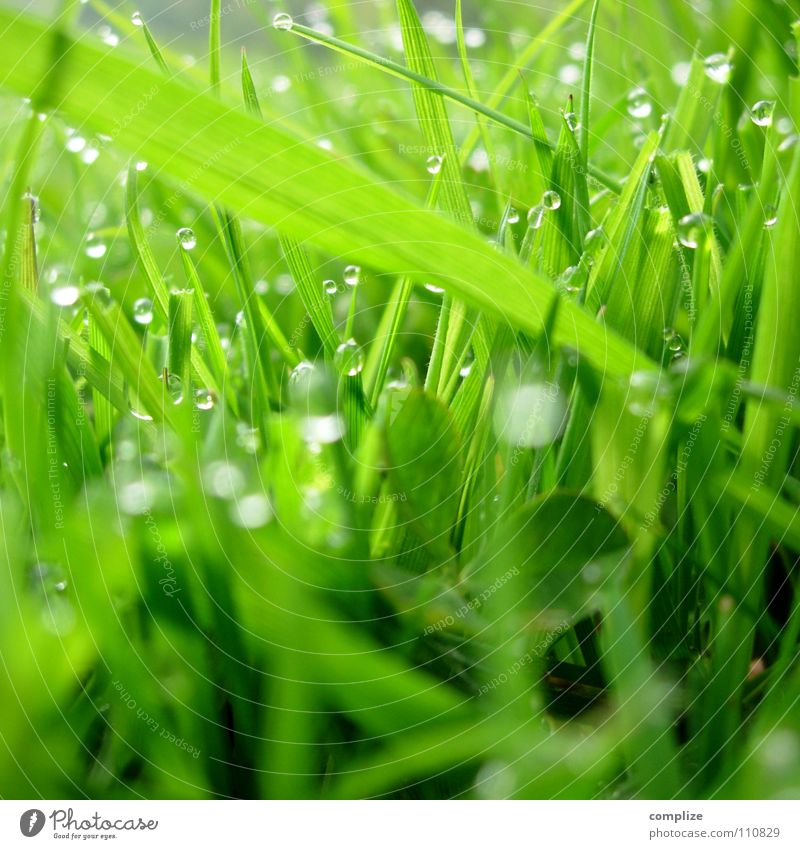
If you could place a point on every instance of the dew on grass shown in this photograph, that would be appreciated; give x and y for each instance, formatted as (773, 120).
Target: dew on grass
(569, 74)
(204, 399)
(530, 414)
(95, 248)
(513, 216)
(594, 241)
(75, 144)
(349, 358)
(761, 113)
(434, 163)
(718, 68)
(770, 216)
(141, 165)
(143, 311)
(352, 275)
(536, 217)
(283, 21)
(572, 121)
(551, 200)
(437, 290)
(223, 479)
(693, 229)
(330, 287)
(639, 103)
(90, 154)
(137, 20)
(174, 387)
(474, 37)
(301, 372)
(186, 238)
(251, 511)
(65, 296)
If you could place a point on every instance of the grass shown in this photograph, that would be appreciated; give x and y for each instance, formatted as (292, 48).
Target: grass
(406, 407)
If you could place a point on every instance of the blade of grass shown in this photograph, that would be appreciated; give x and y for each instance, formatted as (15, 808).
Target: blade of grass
(285, 193)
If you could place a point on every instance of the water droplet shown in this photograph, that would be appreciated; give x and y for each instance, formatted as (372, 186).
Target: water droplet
(76, 144)
(251, 511)
(301, 372)
(694, 228)
(535, 217)
(95, 248)
(569, 74)
(718, 68)
(174, 387)
(186, 238)
(141, 165)
(90, 155)
(282, 21)
(434, 163)
(513, 216)
(437, 290)
(639, 104)
(330, 287)
(594, 241)
(646, 389)
(761, 113)
(223, 480)
(349, 358)
(551, 200)
(530, 415)
(680, 72)
(136, 497)
(788, 143)
(143, 311)
(204, 399)
(572, 121)
(352, 275)
(770, 216)
(64, 296)
(280, 83)
(261, 287)
(137, 20)
(474, 37)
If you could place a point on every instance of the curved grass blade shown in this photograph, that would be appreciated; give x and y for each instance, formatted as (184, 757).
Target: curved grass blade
(275, 177)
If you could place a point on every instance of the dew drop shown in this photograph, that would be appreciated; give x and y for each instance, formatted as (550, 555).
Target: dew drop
(572, 121)
(301, 372)
(761, 113)
(65, 296)
(693, 228)
(186, 238)
(770, 216)
(76, 144)
(174, 387)
(251, 511)
(718, 68)
(283, 21)
(551, 200)
(530, 415)
(204, 399)
(137, 20)
(437, 290)
(141, 165)
(352, 275)
(329, 287)
(95, 248)
(143, 311)
(223, 480)
(639, 104)
(536, 217)
(434, 163)
(349, 358)
(513, 216)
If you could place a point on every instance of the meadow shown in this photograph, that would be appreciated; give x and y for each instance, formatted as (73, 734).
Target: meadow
(400, 401)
